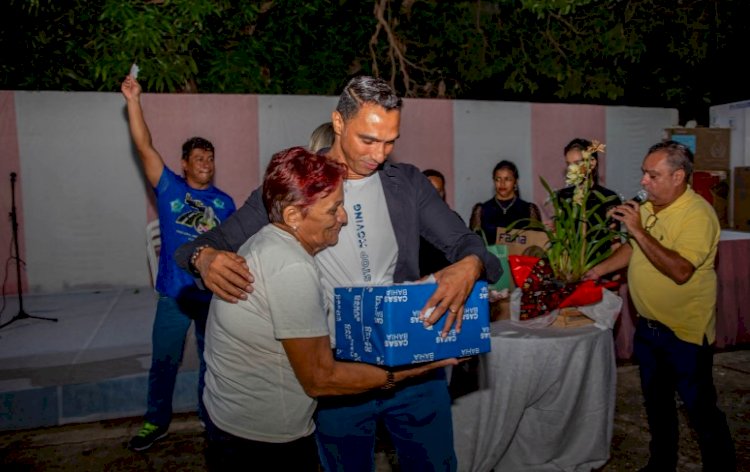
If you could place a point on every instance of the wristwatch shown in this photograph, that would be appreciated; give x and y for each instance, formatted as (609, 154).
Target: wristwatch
(390, 380)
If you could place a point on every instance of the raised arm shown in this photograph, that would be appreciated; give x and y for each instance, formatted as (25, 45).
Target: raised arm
(153, 164)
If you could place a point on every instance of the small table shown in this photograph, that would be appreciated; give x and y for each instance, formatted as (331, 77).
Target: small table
(546, 401)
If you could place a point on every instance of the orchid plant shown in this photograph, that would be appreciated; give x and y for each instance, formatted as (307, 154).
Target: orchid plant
(570, 252)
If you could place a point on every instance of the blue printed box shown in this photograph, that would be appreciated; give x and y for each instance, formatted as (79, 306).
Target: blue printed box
(380, 325)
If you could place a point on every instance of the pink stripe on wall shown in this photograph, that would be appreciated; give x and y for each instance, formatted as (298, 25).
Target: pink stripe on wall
(427, 138)
(230, 122)
(10, 162)
(552, 127)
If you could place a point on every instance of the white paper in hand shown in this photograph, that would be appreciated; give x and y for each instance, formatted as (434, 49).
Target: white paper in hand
(134, 70)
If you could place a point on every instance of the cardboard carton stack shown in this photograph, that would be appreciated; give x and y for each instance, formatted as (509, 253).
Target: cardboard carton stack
(712, 165)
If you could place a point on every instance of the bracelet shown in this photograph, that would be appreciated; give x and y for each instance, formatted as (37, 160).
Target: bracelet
(390, 380)
(194, 258)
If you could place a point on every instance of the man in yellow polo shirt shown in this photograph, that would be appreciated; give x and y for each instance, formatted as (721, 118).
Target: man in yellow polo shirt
(671, 277)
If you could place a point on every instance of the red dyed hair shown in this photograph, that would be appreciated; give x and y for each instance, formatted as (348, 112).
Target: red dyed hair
(295, 176)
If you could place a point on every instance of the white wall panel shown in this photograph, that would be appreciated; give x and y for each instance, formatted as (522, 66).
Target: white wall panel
(84, 198)
(735, 116)
(486, 133)
(630, 132)
(83, 193)
(288, 120)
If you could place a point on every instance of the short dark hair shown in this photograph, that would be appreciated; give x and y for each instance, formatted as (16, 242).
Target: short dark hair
(679, 156)
(581, 144)
(434, 173)
(296, 176)
(506, 165)
(196, 143)
(365, 89)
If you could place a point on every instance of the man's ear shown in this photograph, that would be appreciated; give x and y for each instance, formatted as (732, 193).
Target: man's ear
(678, 176)
(338, 122)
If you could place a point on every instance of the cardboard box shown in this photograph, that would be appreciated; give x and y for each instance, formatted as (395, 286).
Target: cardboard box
(520, 241)
(713, 185)
(741, 216)
(380, 325)
(500, 310)
(709, 145)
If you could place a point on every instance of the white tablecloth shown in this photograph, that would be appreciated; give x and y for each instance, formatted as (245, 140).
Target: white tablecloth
(546, 402)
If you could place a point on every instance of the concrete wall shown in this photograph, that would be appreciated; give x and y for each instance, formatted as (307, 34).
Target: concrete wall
(83, 203)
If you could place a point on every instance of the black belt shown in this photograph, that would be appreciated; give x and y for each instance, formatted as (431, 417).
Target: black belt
(653, 324)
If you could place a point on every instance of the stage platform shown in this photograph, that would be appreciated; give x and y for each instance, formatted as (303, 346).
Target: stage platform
(91, 364)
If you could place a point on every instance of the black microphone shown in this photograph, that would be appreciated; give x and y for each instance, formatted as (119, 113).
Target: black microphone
(639, 198)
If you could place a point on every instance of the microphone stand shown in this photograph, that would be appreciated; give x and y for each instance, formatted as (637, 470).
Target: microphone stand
(21, 313)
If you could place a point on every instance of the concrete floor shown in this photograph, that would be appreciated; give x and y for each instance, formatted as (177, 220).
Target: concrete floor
(91, 364)
(83, 378)
(101, 445)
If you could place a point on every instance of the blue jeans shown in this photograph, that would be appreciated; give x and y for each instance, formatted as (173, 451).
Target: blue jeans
(171, 325)
(417, 415)
(668, 364)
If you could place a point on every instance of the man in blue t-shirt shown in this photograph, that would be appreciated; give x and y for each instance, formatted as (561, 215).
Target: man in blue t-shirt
(187, 207)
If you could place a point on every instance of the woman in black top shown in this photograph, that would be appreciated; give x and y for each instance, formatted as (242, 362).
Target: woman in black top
(506, 206)
(574, 155)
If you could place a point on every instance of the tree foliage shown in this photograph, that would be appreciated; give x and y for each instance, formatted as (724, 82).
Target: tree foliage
(641, 52)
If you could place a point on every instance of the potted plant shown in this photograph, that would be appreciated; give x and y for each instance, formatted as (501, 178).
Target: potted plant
(571, 251)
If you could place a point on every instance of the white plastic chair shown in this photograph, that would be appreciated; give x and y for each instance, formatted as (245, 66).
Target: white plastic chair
(153, 247)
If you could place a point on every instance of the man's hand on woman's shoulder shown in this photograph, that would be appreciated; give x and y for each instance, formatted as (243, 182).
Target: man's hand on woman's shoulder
(225, 273)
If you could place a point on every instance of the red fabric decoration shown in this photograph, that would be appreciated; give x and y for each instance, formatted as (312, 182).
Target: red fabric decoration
(520, 268)
(542, 293)
(585, 293)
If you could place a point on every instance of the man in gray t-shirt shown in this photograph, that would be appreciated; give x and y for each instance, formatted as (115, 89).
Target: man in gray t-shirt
(389, 207)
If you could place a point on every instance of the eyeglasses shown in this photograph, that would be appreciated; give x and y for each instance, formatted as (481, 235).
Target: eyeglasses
(650, 222)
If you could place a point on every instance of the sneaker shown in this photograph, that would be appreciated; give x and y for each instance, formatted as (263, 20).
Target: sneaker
(147, 436)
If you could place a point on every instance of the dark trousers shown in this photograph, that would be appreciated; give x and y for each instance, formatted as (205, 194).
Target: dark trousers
(416, 414)
(668, 364)
(171, 325)
(226, 452)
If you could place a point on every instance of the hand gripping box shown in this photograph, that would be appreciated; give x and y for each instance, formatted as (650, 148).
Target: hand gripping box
(380, 325)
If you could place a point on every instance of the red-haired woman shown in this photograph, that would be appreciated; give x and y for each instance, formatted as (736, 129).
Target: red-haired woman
(269, 356)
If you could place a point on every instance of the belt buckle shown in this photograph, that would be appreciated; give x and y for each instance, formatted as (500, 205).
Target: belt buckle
(652, 324)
